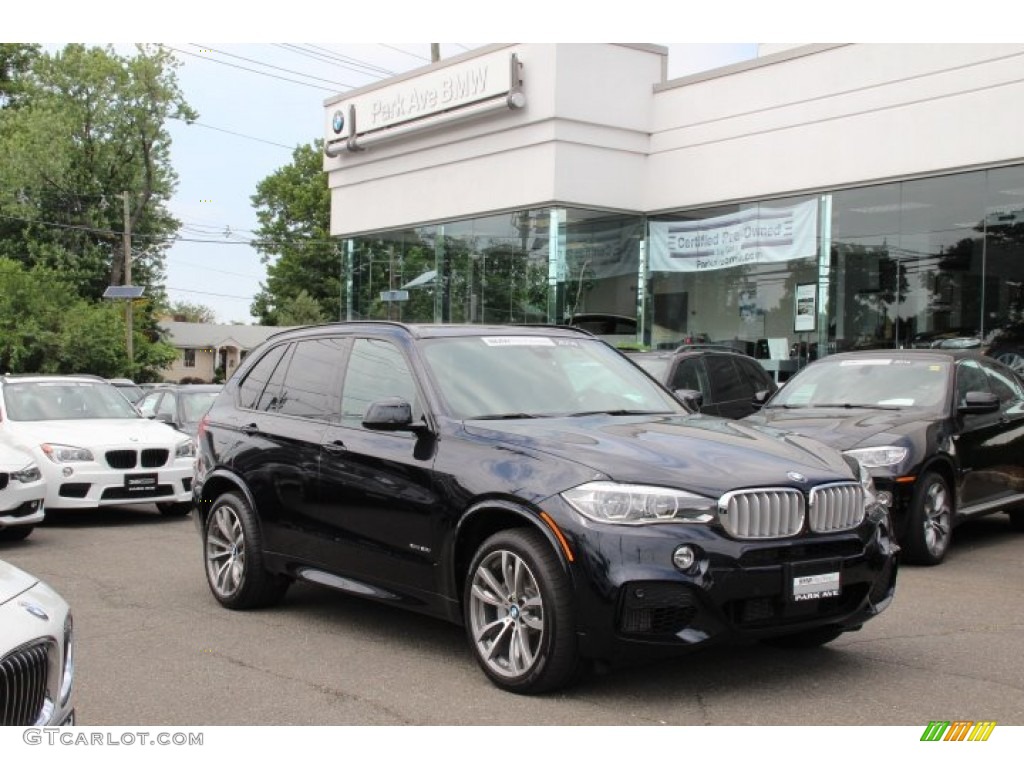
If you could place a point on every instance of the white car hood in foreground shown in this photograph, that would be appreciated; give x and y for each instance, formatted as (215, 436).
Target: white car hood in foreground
(13, 458)
(13, 582)
(98, 433)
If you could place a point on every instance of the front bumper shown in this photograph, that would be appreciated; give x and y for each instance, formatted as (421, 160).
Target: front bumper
(23, 504)
(632, 600)
(91, 485)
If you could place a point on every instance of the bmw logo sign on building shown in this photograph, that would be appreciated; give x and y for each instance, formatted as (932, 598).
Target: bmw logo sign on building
(338, 121)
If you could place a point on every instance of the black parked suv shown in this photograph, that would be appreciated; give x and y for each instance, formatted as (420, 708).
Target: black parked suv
(941, 431)
(715, 380)
(533, 485)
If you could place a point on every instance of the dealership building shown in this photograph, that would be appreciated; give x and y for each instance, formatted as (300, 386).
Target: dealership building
(815, 199)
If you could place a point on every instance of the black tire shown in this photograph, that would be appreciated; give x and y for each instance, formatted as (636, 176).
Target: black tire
(1017, 519)
(811, 638)
(233, 557)
(929, 529)
(174, 509)
(16, 532)
(526, 642)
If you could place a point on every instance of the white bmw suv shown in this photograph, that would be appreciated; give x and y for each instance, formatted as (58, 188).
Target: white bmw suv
(93, 448)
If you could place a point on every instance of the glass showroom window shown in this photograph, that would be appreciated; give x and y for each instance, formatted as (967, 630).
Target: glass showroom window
(731, 276)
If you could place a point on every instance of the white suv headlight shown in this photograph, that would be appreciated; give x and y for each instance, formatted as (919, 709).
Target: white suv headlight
(883, 456)
(608, 502)
(186, 449)
(65, 454)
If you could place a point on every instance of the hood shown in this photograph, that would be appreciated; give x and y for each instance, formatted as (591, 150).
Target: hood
(843, 428)
(13, 581)
(703, 454)
(99, 433)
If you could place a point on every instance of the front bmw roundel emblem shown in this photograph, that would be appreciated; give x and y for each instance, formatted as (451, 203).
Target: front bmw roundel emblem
(796, 477)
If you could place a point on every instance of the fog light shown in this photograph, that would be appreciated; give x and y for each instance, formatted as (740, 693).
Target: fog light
(684, 557)
(68, 471)
(885, 498)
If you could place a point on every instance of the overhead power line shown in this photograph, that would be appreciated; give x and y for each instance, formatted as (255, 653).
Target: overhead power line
(402, 50)
(337, 60)
(249, 69)
(233, 133)
(272, 66)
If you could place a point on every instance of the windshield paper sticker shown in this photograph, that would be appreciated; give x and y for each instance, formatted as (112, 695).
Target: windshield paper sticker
(866, 362)
(517, 341)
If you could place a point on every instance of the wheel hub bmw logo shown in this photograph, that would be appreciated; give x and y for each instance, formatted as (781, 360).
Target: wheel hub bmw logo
(796, 477)
(513, 611)
(338, 121)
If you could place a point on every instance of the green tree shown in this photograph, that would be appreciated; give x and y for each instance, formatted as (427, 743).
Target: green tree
(293, 207)
(186, 312)
(303, 309)
(89, 125)
(45, 327)
(15, 60)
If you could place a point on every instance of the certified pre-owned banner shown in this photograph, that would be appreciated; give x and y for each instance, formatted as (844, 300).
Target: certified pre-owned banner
(754, 236)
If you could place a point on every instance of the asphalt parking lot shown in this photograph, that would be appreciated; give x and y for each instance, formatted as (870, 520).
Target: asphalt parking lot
(154, 648)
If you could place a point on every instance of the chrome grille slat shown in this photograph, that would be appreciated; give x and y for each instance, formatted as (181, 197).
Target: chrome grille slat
(23, 675)
(762, 513)
(836, 507)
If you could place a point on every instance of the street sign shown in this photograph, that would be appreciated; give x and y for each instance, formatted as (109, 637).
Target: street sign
(394, 295)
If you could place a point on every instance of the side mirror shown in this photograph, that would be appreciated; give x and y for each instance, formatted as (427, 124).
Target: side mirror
(760, 398)
(691, 398)
(392, 414)
(979, 402)
(164, 417)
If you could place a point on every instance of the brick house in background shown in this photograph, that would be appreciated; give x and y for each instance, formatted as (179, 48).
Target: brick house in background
(203, 348)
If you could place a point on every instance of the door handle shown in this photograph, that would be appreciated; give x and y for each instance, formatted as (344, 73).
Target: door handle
(335, 446)
(250, 429)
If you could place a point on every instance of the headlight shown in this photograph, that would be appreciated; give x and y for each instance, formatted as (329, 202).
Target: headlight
(608, 502)
(68, 679)
(64, 454)
(185, 449)
(883, 456)
(29, 474)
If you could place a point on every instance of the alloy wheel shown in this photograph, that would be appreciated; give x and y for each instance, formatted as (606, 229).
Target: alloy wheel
(506, 614)
(225, 551)
(936, 519)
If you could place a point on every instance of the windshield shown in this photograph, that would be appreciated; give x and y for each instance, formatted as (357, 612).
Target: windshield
(50, 401)
(534, 376)
(656, 366)
(867, 383)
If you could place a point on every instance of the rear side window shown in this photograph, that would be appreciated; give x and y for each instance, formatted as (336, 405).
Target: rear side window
(758, 376)
(255, 381)
(689, 374)
(308, 388)
(1004, 385)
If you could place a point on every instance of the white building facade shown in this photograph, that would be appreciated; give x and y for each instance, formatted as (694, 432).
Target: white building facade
(815, 199)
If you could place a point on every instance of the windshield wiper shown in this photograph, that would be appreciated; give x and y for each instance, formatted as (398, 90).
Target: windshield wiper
(617, 412)
(856, 405)
(496, 416)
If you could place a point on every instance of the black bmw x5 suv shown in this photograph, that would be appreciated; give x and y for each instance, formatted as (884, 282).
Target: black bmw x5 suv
(533, 485)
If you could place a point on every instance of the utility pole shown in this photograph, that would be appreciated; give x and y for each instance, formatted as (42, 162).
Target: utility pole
(435, 52)
(129, 306)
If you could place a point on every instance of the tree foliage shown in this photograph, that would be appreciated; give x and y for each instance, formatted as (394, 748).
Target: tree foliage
(78, 128)
(293, 208)
(186, 312)
(46, 327)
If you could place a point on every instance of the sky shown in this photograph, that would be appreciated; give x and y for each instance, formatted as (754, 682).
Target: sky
(258, 97)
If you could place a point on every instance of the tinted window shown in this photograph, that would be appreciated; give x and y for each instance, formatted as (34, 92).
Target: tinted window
(376, 370)
(1004, 385)
(726, 380)
(308, 384)
(689, 375)
(270, 400)
(256, 380)
(969, 378)
(757, 375)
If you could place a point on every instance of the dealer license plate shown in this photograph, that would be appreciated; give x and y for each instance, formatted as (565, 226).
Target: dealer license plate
(815, 586)
(141, 484)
